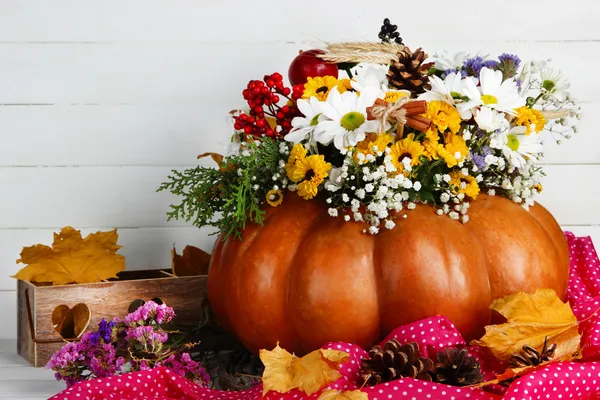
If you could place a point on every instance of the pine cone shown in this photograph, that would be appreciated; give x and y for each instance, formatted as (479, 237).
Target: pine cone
(409, 72)
(456, 367)
(530, 357)
(395, 361)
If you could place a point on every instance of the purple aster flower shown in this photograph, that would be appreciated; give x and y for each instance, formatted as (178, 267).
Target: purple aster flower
(67, 363)
(479, 158)
(104, 333)
(473, 66)
(491, 64)
(147, 338)
(508, 65)
(183, 365)
(451, 71)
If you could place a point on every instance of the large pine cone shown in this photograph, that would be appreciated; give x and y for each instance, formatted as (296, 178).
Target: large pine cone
(409, 72)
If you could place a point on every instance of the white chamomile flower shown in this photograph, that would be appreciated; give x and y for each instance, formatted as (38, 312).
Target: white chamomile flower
(444, 61)
(368, 75)
(489, 119)
(303, 127)
(493, 92)
(553, 81)
(450, 90)
(346, 122)
(520, 147)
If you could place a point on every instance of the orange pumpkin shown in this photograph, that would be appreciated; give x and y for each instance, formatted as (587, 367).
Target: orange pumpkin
(305, 278)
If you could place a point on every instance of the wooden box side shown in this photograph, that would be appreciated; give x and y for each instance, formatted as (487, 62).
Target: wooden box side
(112, 299)
(25, 343)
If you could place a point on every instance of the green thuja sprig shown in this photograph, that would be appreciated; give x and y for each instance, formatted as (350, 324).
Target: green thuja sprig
(229, 197)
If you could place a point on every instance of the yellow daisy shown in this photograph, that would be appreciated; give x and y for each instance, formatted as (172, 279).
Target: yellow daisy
(394, 95)
(274, 197)
(372, 140)
(530, 118)
(443, 116)
(319, 87)
(406, 147)
(298, 152)
(464, 184)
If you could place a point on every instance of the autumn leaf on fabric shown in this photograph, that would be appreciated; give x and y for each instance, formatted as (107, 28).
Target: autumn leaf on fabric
(284, 371)
(72, 259)
(531, 318)
(333, 394)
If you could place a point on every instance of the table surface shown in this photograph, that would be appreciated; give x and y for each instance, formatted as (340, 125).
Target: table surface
(18, 380)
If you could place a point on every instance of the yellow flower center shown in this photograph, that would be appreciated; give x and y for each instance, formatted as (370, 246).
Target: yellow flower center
(352, 120)
(513, 142)
(489, 99)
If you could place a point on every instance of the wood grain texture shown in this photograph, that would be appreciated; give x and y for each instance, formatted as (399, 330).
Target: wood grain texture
(160, 20)
(177, 73)
(104, 300)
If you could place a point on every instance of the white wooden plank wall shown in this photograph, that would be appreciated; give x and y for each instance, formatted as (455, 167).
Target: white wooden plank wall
(100, 99)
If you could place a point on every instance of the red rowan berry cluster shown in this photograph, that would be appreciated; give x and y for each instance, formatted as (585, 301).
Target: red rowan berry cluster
(263, 98)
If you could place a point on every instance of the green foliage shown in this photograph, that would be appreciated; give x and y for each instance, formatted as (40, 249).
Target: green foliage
(236, 190)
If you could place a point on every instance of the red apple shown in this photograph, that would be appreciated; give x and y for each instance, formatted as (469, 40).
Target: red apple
(307, 64)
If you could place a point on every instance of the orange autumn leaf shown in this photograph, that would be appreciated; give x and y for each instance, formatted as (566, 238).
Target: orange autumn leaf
(284, 371)
(531, 318)
(72, 259)
(333, 394)
(192, 262)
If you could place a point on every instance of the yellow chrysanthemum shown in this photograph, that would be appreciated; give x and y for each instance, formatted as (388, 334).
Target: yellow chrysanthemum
(345, 85)
(298, 152)
(464, 184)
(394, 95)
(530, 118)
(274, 197)
(371, 142)
(431, 149)
(456, 148)
(406, 147)
(443, 116)
(319, 87)
(310, 172)
(538, 187)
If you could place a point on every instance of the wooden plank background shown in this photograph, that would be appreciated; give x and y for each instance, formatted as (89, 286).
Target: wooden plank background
(100, 99)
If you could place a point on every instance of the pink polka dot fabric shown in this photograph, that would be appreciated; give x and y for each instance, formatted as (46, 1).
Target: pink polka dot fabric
(566, 380)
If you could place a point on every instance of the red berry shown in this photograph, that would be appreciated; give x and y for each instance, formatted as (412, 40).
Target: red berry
(255, 91)
(277, 76)
(286, 91)
(237, 126)
(280, 115)
(285, 109)
(261, 123)
(270, 83)
(264, 90)
(257, 109)
(248, 130)
(275, 98)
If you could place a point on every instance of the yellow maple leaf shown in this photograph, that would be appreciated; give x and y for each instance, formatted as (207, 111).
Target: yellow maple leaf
(72, 259)
(333, 394)
(531, 318)
(284, 371)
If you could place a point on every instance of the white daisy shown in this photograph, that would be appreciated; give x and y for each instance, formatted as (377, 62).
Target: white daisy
(449, 90)
(367, 75)
(346, 114)
(444, 61)
(520, 147)
(553, 81)
(303, 127)
(489, 119)
(493, 92)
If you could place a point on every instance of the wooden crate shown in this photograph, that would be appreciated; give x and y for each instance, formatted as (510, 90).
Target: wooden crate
(37, 338)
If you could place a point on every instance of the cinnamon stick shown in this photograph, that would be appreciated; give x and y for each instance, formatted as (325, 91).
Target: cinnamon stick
(419, 123)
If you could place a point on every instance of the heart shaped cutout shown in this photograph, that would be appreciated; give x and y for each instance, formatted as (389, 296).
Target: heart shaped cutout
(137, 303)
(70, 323)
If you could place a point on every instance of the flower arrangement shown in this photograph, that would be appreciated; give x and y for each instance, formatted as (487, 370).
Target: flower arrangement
(143, 340)
(374, 128)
